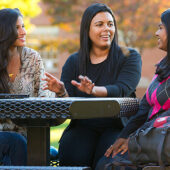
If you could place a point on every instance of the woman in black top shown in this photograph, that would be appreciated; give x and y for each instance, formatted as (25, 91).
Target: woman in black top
(155, 102)
(99, 69)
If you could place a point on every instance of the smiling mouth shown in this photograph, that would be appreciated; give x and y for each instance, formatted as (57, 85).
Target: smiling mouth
(105, 36)
(21, 39)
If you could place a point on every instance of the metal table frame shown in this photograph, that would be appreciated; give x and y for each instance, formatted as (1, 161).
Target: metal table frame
(39, 114)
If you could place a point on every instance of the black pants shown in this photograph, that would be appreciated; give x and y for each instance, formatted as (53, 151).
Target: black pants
(82, 146)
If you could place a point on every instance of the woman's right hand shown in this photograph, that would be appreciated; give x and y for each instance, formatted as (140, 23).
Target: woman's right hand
(121, 145)
(85, 84)
(54, 84)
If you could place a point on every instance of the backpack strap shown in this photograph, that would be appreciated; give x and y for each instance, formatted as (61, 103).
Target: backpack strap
(121, 162)
(160, 148)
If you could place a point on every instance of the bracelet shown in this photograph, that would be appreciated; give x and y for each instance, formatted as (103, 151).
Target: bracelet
(62, 95)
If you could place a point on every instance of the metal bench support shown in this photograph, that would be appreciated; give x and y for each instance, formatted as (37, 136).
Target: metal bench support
(38, 149)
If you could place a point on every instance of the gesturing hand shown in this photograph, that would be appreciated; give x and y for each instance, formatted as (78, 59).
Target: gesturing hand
(85, 84)
(121, 145)
(53, 84)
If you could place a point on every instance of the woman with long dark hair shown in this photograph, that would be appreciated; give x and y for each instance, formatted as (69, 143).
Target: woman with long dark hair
(21, 71)
(155, 102)
(99, 69)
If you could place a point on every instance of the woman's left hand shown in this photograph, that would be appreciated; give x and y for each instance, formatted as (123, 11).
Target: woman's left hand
(121, 145)
(85, 84)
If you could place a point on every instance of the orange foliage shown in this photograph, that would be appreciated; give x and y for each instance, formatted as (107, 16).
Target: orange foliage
(137, 19)
(66, 27)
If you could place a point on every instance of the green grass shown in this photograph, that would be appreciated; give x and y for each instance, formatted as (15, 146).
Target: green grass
(56, 132)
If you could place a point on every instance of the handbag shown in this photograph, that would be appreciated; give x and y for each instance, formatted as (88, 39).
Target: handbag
(150, 144)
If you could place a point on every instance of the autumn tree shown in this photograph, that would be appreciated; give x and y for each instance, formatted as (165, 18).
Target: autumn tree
(137, 19)
(29, 8)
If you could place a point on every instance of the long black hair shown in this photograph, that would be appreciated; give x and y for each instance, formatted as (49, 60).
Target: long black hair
(8, 35)
(85, 42)
(163, 68)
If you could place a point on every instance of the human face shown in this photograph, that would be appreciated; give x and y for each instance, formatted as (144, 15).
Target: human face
(21, 39)
(162, 37)
(102, 30)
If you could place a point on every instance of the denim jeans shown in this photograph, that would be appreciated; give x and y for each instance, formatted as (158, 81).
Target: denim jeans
(13, 148)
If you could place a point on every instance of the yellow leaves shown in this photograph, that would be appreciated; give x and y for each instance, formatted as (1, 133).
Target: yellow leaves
(71, 45)
(59, 44)
(28, 8)
(65, 26)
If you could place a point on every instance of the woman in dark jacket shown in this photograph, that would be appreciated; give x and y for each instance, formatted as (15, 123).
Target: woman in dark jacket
(101, 68)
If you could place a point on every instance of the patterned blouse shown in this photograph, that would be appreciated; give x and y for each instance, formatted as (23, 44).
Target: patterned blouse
(156, 101)
(29, 82)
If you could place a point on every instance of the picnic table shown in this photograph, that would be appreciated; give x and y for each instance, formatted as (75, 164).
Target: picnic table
(39, 114)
